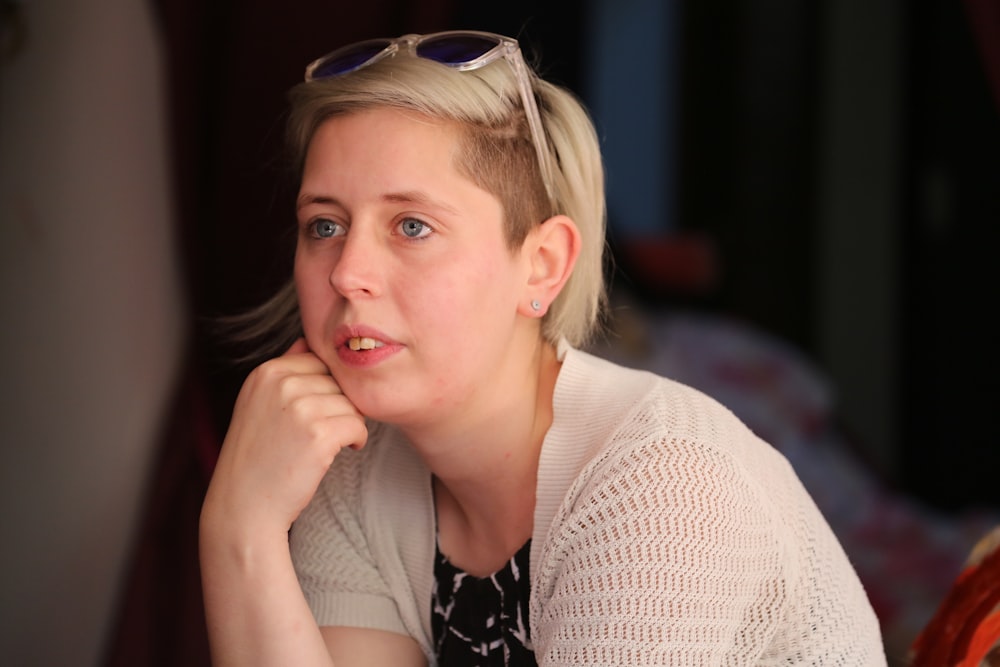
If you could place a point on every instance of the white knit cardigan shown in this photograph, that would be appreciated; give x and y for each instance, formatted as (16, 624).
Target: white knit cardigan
(665, 533)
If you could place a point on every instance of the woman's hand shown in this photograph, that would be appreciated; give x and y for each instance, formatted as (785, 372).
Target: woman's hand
(289, 422)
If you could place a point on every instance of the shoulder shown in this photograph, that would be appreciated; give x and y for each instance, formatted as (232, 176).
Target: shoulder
(685, 457)
(609, 407)
(679, 454)
(362, 548)
(365, 482)
(678, 504)
(624, 437)
(658, 463)
(334, 513)
(663, 519)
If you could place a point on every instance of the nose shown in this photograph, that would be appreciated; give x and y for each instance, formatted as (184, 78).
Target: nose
(355, 272)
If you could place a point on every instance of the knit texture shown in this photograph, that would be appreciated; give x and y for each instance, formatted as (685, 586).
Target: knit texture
(666, 533)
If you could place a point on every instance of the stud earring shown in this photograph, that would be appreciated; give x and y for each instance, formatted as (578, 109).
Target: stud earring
(536, 305)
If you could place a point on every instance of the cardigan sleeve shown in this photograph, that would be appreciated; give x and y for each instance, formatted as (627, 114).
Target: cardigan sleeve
(670, 549)
(332, 556)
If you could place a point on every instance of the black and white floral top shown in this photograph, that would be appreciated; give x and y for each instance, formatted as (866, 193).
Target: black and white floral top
(482, 621)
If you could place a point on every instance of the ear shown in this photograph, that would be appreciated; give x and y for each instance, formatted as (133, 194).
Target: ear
(550, 253)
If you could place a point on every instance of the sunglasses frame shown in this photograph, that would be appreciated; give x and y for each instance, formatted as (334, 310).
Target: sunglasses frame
(505, 48)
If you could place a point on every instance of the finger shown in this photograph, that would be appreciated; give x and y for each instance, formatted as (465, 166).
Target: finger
(317, 407)
(275, 372)
(300, 350)
(331, 422)
(298, 359)
(353, 430)
(314, 384)
(298, 347)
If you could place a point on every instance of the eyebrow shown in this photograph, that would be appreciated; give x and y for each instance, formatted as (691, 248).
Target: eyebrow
(407, 197)
(308, 199)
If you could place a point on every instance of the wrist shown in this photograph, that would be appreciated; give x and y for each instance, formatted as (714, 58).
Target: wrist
(246, 542)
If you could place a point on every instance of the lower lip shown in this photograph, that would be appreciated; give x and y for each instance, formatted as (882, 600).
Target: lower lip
(366, 358)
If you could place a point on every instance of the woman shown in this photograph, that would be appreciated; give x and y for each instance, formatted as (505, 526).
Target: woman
(460, 483)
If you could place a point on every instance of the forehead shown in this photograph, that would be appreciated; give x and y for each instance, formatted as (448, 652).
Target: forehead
(379, 153)
(382, 137)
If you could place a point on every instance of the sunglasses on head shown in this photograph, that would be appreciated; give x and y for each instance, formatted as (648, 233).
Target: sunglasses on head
(462, 50)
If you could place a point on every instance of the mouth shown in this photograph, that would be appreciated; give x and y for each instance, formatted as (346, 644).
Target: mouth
(364, 347)
(357, 343)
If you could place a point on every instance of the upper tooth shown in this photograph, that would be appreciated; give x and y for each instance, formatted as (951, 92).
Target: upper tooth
(364, 343)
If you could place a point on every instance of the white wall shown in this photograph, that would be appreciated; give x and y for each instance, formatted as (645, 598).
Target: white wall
(92, 326)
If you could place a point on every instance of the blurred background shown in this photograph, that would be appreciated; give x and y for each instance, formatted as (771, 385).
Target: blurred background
(803, 200)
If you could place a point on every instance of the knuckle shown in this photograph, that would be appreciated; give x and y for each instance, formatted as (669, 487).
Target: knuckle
(300, 407)
(288, 387)
(268, 371)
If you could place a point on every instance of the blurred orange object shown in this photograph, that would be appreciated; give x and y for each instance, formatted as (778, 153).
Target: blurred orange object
(965, 630)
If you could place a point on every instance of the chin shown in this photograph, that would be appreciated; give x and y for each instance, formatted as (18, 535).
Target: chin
(377, 405)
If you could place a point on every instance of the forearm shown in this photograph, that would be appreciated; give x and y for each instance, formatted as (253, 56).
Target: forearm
(255, 611)
(289, 422)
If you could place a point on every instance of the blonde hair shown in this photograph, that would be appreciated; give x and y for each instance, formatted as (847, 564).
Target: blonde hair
(496, 152)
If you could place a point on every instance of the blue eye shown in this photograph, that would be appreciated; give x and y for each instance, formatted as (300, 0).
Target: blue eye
(326, 229)
(414, 229)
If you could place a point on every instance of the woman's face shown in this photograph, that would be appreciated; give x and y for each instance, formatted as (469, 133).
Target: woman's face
(407, 289)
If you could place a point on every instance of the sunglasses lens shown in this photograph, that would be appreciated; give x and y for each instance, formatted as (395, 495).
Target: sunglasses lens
(350, 58)
(455, 49)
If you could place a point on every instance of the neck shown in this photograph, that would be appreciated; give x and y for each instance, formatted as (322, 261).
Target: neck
(503, 422)
(485, 469)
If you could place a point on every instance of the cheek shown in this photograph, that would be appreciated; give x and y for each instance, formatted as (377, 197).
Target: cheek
(466, 297)
(309, 286)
